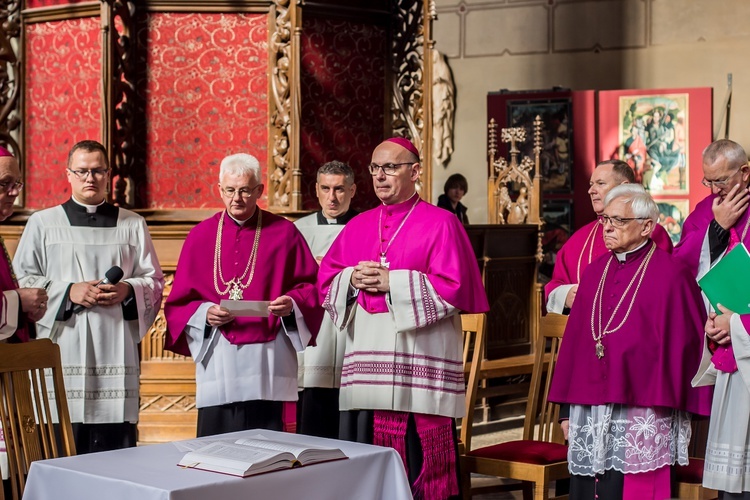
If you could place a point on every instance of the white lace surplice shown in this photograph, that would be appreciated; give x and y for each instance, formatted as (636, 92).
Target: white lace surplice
(628, 439)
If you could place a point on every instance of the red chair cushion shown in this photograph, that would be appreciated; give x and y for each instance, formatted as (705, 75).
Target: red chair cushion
(530, 452)
(690, 473)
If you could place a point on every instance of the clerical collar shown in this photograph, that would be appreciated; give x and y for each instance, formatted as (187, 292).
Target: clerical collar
(89, 208)
(80, 215)
(622, 257)
(242, 222)
(340, 220)
(403, 206)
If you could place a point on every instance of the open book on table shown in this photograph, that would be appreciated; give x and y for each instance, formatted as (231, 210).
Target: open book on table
(249, 456)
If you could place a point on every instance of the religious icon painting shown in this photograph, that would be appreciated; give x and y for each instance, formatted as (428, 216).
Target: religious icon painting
(672, 214)
(659, 133)
(556, 157)
(653, 139)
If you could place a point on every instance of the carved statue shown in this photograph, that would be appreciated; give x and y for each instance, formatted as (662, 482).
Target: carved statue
(443, 109)
(519, 209)
(503, 204)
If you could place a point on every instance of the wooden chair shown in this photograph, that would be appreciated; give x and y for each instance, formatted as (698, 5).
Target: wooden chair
(541, 456)
(28, 408)
(473, 326)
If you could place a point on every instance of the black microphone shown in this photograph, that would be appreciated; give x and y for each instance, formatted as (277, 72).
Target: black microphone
(111, 277)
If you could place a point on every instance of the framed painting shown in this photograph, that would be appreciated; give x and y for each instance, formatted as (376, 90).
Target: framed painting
(660, 133)
(556, 157)
(672, 215)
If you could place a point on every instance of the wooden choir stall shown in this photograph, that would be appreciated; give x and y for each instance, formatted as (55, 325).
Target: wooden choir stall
(171, 87)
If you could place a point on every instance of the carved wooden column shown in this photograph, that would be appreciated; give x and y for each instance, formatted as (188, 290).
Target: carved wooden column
(118, 58)
(411, 99)
(10, 77)
(284, 176)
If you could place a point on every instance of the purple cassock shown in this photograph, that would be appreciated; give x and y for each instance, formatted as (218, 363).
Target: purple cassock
(651, 359)
(583, 247)
(284, 266)
(8, 282)
(431, 241)
(689, 251)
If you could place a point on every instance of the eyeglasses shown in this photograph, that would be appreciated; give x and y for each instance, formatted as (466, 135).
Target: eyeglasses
(617, 221)
(8, 186)
(388, 168)
(721, 183)
(83, 174)
(243, 192)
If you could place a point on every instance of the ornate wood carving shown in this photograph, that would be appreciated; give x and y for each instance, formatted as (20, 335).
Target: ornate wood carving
(119, 95)
(411, 99)
(10, 77)
(284, 174)
(526, 208)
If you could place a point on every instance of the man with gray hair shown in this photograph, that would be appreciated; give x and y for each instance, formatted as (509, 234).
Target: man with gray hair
(243, 307)
(631, 347)
(719, 223)
(320, 366)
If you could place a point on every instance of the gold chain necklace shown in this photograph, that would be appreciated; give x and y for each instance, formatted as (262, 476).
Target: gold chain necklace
(589, 240)
(235, 286)
(639, 274)
(383, 262)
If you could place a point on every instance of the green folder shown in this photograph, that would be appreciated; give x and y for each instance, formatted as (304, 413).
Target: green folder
(728, 281)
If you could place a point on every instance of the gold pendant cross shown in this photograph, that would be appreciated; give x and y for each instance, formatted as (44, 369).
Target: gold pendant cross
(235, 293)
(599, 349)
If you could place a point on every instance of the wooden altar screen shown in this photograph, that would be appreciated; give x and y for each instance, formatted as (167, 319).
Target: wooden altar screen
(173, 86)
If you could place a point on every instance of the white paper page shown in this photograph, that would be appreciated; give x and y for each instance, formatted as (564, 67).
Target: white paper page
(246, 308)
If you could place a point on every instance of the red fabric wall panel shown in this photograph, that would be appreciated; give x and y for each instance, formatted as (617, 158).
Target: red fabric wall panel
(343, 100)
(33, 4)
(204, 96)
(63, 102)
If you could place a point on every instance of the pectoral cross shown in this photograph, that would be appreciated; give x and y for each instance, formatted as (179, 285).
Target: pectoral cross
(384, 262)
(599, 349)
(236, 292)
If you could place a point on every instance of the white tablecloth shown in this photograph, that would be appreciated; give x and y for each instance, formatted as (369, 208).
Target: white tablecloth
(151, 473)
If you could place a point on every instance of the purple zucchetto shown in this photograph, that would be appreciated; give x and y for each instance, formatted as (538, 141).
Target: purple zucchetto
(404, 143)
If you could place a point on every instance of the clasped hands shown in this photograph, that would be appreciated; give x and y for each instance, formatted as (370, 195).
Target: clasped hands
(371, 277)
(717, 326)
(217, 315)
(88, 294)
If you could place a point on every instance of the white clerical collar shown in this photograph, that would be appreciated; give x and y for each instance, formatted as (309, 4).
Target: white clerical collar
(331, 221)
(89, 208)
(621, 256)
(241, 222)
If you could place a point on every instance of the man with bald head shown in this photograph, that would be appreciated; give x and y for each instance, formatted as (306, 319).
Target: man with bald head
(718, 223)
(396, 279)
(587, 243)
